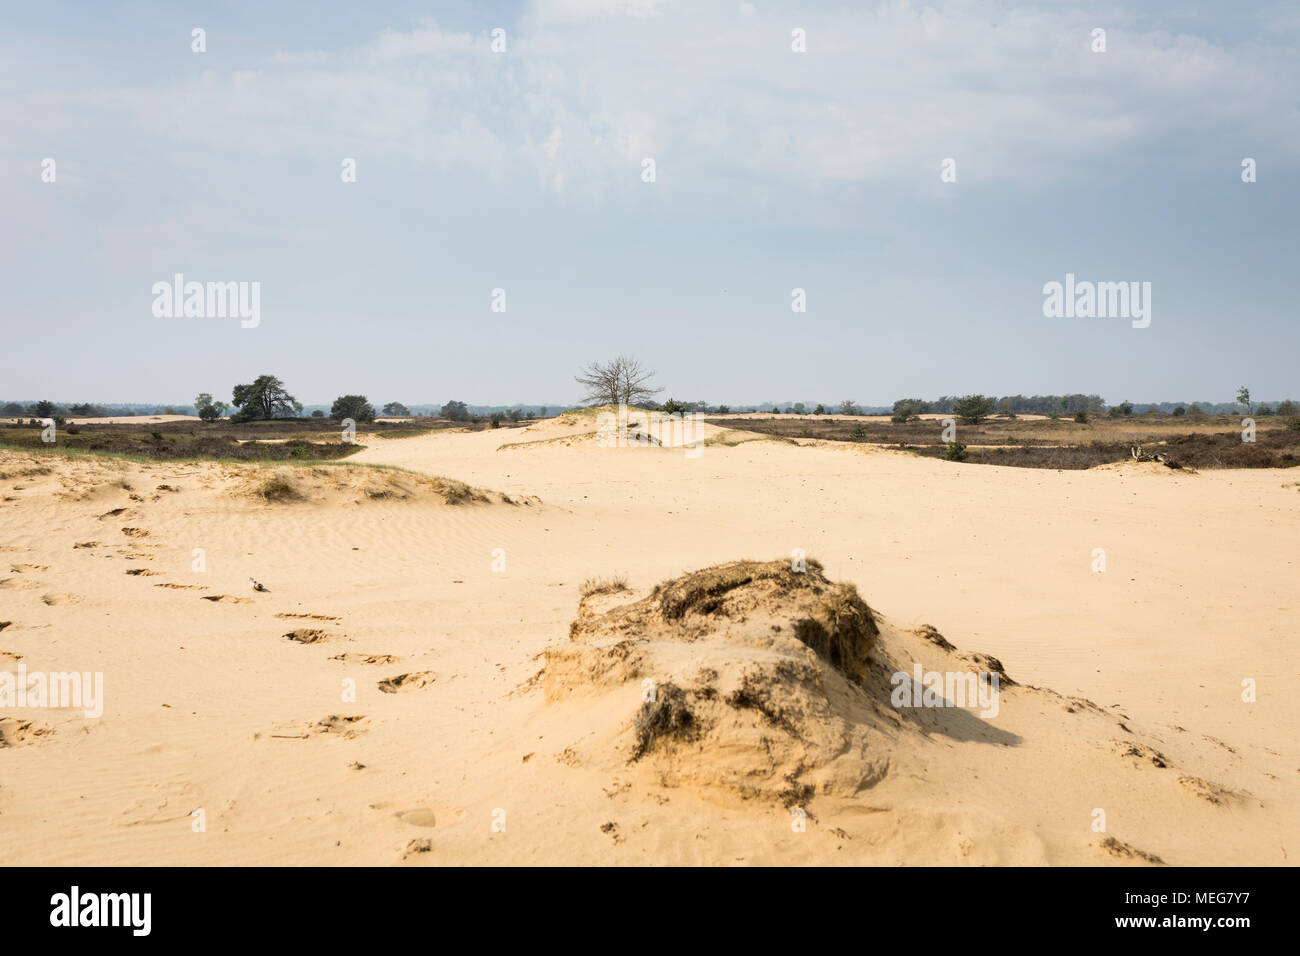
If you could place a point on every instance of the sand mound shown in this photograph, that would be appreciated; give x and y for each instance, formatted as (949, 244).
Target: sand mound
(359, 484)
(606, 427)
(749, 677)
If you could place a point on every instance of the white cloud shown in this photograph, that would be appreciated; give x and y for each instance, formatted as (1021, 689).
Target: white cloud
(590, 87)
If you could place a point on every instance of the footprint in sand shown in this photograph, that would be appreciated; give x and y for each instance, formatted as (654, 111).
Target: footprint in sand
(346, 726)
(308, 635)
(116, 512)
(9, 657)
(366, 658)
(1141, 753)
(165, 803)
(17, 584)
(15, 732)
(421, 814)
(24, 568)
(88, 544)
(416, 847)
(183, 587)
(53, 599)
(1211, 792)
(4, 624)
(412, 681)
(142, 571)
(226, 599)
(1122, 851)
(135, 532)
(417, 817)
(307, 617)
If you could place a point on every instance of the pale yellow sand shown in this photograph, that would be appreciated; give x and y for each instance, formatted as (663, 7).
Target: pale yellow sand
(210, 706)
(117, 419)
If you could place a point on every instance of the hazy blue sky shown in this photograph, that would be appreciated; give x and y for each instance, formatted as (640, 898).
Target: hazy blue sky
(522, 170)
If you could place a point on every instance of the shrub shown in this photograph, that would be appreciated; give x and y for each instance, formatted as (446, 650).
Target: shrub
(673, 407)
(955, 451)
(1081, 417)
(973, 409)
(207, 409)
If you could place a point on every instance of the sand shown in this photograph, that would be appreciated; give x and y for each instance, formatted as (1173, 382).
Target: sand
(115, 419)
(482, 731)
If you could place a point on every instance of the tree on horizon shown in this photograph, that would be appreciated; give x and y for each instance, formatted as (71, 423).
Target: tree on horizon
(264, 398)
(622, 381)
(355, 407)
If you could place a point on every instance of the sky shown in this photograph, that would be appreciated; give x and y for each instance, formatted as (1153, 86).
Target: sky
(524, 169)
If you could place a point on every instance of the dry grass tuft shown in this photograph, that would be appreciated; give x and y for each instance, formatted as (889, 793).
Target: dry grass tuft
(277, 488)
(703, 591)
(667, 716)
(610, 585)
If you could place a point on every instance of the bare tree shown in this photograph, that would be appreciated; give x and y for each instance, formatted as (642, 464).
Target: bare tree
(622, 381)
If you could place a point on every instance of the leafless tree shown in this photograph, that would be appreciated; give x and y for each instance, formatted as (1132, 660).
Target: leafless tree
(622, 381)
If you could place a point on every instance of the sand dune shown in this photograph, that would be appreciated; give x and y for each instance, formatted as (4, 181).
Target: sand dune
(452, 697)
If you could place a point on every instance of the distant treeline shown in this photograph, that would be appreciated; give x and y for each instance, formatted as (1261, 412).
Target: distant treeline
(1016, 404)
(944, 404)
(1072, 404)
(48, 409)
